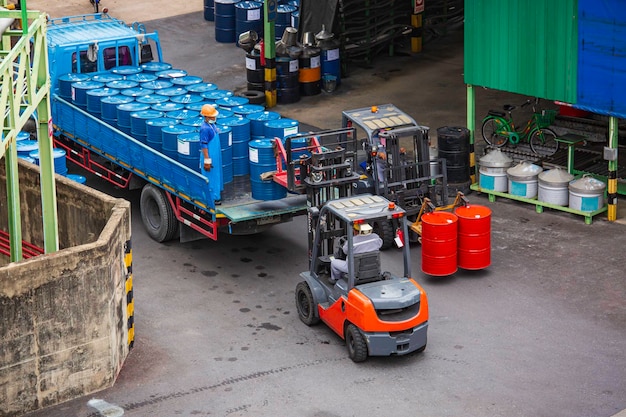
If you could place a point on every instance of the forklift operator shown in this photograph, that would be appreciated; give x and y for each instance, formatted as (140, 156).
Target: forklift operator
(364, 241)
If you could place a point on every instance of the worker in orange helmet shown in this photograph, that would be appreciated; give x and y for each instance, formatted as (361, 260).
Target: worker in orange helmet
(211, 152)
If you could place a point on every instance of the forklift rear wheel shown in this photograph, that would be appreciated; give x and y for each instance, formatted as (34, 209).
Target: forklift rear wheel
(384, 229)
(355, 341)
(157, 214)
(305, 304)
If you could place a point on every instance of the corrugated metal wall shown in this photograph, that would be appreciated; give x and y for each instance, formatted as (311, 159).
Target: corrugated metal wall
(602, 57)
(523, 46)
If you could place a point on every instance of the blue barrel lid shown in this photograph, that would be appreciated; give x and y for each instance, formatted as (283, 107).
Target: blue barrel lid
(125, 70)
(156, 66)
(281, 123)
(22, 136)
(137, 91)
(162, 121)
(117, 99)
(157, 84)
(72, 76)
(187, 80)
(173, 91)
(106, 77)
(177, 129)
(122, 84)
(141, 77)
(197, 106)
(224, 129)
(246, 109)
(78, 178)
(168, 106)
(248, 5)
(186, 98)
(103, 92)
(226, 1)
(27, 158)
(171, 73)
(133, 106)
(189, 137)
(56, 153)
(225, 113)
(87, 85)
(261, 143)
(234, 121)
(216, 94)
(194, 121)
(201, 87)
(152, 99)
(264, 116)
(182, 114)
(26, 145)
(147, 114)
(286, 8)
(231, 101)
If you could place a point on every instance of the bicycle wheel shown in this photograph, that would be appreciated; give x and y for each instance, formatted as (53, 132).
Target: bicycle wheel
(543, 142)
(494, 132)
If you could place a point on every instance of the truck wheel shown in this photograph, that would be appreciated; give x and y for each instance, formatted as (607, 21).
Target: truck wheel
(306, 304)
(157, 214)
(355, 341)
(384, 229)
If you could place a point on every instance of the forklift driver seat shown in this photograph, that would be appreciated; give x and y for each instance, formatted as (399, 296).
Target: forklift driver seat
(367, 267)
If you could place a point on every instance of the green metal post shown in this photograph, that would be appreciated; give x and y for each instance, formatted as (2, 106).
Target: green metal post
(13, 203)
(269, 28)
(471, 126)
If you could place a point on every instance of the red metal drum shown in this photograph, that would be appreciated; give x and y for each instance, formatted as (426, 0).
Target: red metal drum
(474, 250)
(439, 243)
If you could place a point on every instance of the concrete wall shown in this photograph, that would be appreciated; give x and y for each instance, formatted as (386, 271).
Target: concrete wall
(66, 318)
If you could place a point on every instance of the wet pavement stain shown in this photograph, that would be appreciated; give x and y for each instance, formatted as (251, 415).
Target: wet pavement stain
(262, 274)
(259, 267)
(272, 251)
(209, 273)
(244, 310)
(269, 326)
(236, 301)
(258, 306)
(245, 260)
(235, 275)
(250, 249)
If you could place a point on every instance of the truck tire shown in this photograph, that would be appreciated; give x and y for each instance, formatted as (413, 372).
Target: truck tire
(305, 304)
(355, 341)
(384, 229)
(157, 214)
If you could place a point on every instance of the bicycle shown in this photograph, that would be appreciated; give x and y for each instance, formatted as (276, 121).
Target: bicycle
(498, 128)
(95, 4)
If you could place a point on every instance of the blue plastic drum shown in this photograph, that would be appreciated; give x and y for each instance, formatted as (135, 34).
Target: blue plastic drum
(231, 101)
(280, 128)
(108, 107)
(186, 99)
(123, 114)
(169, 144)
(257, 122)
(59, 156)
(142, 77)
(138, 123)
(200, 88)
(79, 92)
(22, 136)
(106, 77)
(157, 85)
(248, 16)
(246, 109)
(225, 21)
(152, 99)
(283, 19)
(77, 178)
(261, 155)
(168, 106)
(66, 81)
(122, 84)
(25, 147)
(173, 91)
(137, 92)
(225, 134)
(224, 113)
(154, 67)
(94, 99)
(241, 136)
(182, 114)
(194, 122)
(154, 131)
(215, 95)
(187, 80)
(126, 70)
(189, 150)
(171, 73)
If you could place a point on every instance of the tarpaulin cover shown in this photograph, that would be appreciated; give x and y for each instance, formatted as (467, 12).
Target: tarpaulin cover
(602, 57)
(315, 13)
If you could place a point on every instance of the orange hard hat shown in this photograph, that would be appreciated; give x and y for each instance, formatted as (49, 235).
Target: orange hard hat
(208, 111)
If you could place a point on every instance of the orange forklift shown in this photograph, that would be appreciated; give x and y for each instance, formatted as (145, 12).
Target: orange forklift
(376, 312)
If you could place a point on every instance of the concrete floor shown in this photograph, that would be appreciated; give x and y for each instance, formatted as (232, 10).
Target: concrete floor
(541, 332)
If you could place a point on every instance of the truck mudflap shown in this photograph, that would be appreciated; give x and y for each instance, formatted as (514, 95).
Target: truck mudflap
(396, 343)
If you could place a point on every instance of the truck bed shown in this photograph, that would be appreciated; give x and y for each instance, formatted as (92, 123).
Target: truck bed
(166, 173)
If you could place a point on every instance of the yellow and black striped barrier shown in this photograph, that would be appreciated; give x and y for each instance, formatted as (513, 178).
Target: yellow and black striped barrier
(130, 302)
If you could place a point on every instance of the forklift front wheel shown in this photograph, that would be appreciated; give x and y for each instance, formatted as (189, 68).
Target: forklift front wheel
(355, 341)
(306, 304)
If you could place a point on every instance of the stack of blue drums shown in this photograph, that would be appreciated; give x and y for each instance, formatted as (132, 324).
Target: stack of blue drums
(154, 131)
(257, 123)
(248, 17)
(225, 21)
(59, 156)
(188, 150)
(66, 81)
(138, 120)
(169, 139)
(241, 136)
(226, 143)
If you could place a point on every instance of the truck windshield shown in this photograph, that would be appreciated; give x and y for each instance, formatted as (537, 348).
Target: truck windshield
(111, 59)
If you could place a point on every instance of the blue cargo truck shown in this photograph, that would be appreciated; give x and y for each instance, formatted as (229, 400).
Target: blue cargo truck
(175, 198)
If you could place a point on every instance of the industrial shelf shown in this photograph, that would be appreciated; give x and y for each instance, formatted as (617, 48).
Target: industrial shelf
(539, 205)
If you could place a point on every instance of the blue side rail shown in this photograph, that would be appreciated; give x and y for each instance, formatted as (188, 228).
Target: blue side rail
(131, 154)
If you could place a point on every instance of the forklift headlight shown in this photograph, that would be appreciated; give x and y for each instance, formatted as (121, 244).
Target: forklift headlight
(317, 177)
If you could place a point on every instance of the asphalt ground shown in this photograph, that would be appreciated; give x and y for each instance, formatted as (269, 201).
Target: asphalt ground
(540, 332)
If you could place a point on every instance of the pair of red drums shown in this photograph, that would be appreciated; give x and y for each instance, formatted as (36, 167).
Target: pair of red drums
(456, 240)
